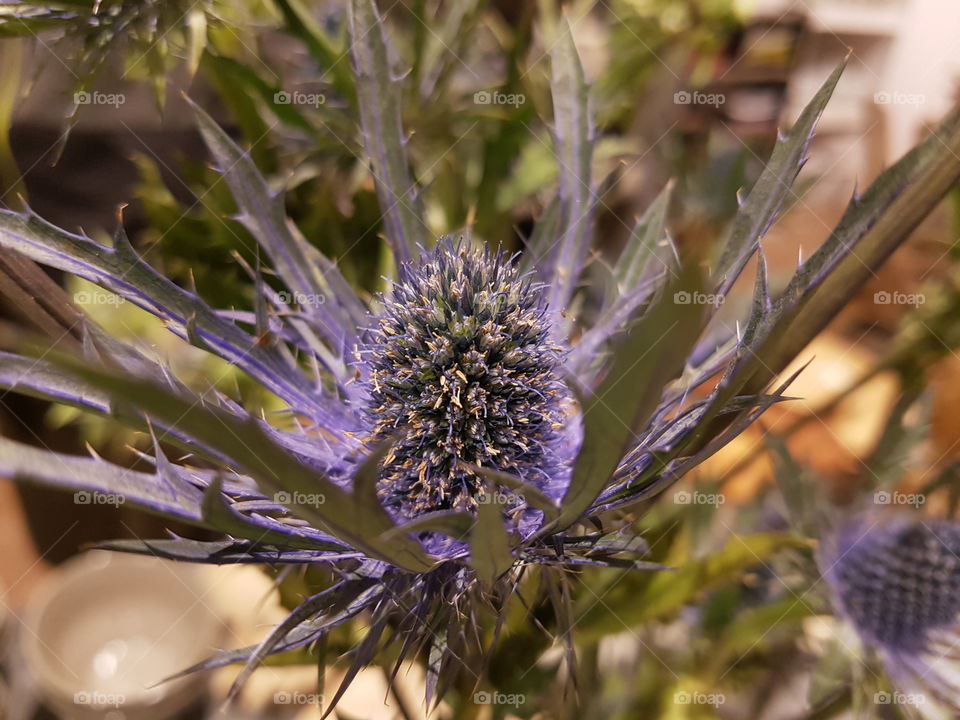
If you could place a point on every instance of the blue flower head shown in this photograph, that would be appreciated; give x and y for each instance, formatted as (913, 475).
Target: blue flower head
(463, 373)
(897, 581)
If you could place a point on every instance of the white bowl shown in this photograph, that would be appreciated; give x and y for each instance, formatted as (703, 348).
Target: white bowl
(106, 627)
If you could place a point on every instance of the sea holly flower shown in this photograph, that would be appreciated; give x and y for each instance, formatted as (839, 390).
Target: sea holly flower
(464, 373)
(466, 430)
(896, 580)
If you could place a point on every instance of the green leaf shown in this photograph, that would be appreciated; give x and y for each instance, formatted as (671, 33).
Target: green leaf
(666, 592)
(221, 552)
(531, 495)
(378, 99)
(653, 352)
(644, 243)
(772, 188)
(301, 24)
(451, 523)
(573, 146)
(490, 552)
(120, 270)
(218, 515)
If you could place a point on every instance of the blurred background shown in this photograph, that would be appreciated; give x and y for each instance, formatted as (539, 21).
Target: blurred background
(92, 117)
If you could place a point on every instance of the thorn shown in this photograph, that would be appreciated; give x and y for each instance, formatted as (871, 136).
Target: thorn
(93, 453)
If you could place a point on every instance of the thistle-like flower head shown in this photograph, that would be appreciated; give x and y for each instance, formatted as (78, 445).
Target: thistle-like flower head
(897, 581)
(464, 374)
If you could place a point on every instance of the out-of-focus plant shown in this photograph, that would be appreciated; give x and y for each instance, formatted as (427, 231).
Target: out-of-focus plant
(150, 36)
(458, 449)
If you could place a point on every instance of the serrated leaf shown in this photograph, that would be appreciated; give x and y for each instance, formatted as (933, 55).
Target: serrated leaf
(378, 100)
(328, 300)
(640, 252)
(652, 353)
(272, 468)
(119, 269)
(354, 596)
(573, 147)
(771, 189)
(219, 515)
(221, 552)
(84, 476)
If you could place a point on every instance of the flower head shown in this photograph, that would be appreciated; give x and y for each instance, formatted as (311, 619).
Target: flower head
(464, 374)
(897, 581)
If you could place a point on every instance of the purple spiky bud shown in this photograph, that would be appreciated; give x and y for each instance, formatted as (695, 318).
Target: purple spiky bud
(463, 372)
(897, 581)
